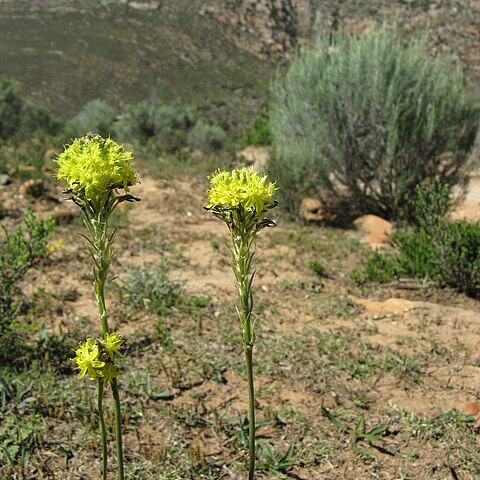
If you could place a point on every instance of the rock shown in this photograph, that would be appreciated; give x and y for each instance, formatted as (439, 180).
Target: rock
(144, 5)
(375, 230)
(5, 179)
(48, 170)
(50, 154)
(32, 188)
(256, 156)
(196, 155)
(471, 408)
(311, 210)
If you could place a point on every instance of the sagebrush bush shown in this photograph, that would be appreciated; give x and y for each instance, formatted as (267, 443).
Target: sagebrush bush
(20, 250)
(166, 125)
(206, 137)
(149, 287)
(434, 249)
(360, 123)
(19, 119)
(96, 116)
(10, 109)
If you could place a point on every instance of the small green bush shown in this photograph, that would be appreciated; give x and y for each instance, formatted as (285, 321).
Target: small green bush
(207, 138)
(259, 133)
(435, 249)
(361, 122)
(19, 119)
(10, 109)
(20, 250)
(165, 125)
(96, 116)
(148, 287)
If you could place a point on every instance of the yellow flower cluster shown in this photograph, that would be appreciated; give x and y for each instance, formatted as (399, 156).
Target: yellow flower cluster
(92, 165)
(243, 187)
(87, 359)
(95, 357)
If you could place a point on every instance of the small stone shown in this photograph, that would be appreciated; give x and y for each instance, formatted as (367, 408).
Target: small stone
(375, 230)
(32, 188)
(144, 5)
(311, 210)
(256, 156)
(50, 154)
(5, 179)
(471, 408)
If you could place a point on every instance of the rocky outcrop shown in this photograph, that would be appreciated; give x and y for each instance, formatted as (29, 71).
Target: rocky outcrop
(265, 27)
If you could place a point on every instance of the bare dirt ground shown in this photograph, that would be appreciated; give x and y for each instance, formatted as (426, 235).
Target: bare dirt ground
(328, 354)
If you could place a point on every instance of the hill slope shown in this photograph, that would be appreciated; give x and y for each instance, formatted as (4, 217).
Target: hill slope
(64, 55)
(215, 53)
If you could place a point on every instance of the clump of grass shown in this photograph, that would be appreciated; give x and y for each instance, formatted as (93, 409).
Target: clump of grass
(148, 287)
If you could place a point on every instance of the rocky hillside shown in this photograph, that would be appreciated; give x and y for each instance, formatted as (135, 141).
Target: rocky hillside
(216, 53)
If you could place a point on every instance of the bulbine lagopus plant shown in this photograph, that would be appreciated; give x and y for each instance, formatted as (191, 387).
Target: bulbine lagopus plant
(96, 171)
(242, 199)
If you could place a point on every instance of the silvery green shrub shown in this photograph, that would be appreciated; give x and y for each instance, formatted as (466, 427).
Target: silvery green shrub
(96, 116)
(361, 122)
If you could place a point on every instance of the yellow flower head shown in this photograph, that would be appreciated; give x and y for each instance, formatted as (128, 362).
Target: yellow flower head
(243, 187)
(92, 165)
(109, 372)
(112, 342)
(86, 358)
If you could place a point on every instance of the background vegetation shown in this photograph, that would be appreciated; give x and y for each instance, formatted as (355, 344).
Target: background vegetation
(360, 121)
(393, 333)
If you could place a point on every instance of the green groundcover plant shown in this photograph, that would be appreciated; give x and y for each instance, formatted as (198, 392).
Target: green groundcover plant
(434, 248)
(242, 199)
(96, 170)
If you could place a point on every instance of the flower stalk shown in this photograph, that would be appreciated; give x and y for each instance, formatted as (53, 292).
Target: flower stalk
(241, 199)
(95, 169)
(103, 432)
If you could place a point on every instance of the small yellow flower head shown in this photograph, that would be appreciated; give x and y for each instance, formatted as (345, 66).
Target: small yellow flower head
(109, 372)
(86, 358)
(243, 187)
(113, 342)
(92, 165)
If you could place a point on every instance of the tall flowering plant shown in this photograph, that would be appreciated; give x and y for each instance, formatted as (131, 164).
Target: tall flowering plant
(242, 199)
(96, 171)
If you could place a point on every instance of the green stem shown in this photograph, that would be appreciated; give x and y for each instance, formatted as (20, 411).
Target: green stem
(102, 308)
(102, 428)
(118, 428)
(242, 262)
(251, 412)
(99, 283)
